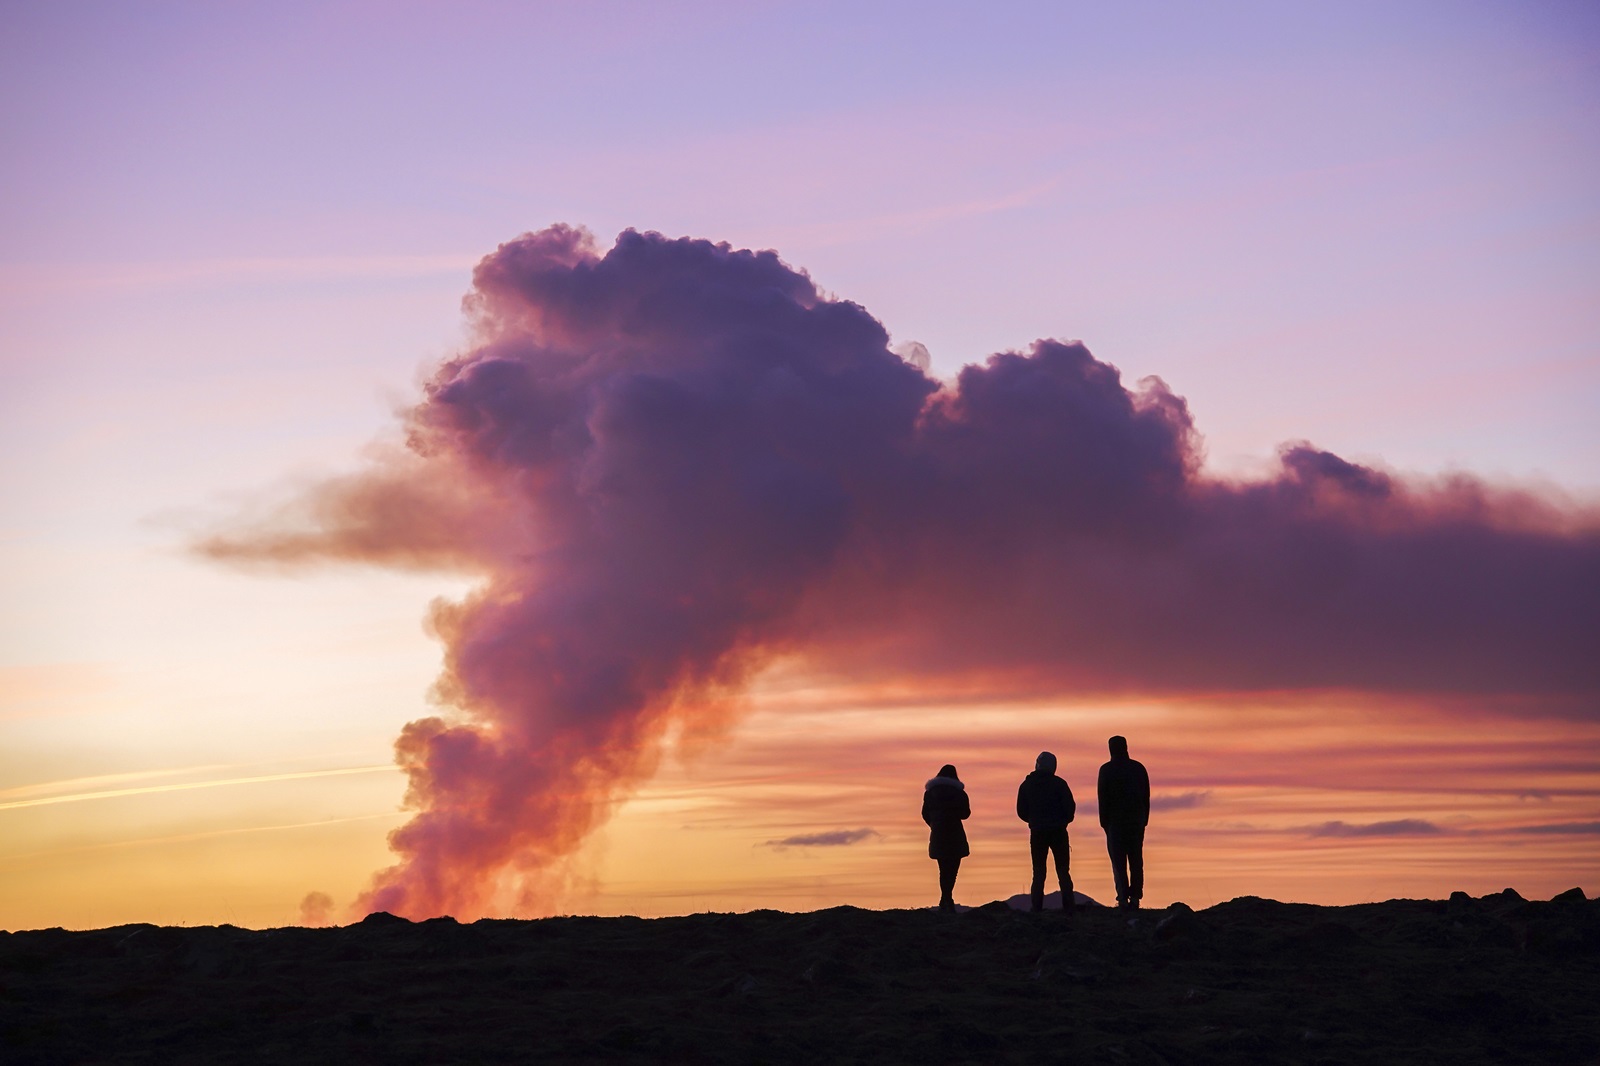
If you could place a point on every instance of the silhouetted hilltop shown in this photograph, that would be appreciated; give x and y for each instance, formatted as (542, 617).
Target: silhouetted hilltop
(1022, 901)
(1490, 980)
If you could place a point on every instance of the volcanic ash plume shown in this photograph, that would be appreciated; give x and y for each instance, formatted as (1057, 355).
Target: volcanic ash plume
(670, 462)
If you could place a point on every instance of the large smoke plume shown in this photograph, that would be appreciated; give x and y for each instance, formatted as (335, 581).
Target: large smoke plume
(672, 462)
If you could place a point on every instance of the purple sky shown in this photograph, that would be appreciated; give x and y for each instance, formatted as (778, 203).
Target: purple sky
(234, 236)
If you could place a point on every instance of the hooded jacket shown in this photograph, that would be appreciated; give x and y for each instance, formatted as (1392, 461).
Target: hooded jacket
(944, 807)
(1123, 791)
(1043, 800)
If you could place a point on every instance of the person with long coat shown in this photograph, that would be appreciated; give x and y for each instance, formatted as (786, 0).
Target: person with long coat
(944, 807)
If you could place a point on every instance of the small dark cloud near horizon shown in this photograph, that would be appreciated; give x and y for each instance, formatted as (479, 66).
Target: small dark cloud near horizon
(835, 838)
(1400, 827)
(316, 909)
(1562, 829)
(1181, 801)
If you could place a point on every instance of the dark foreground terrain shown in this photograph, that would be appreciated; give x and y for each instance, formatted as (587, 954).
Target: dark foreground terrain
(1489, 980)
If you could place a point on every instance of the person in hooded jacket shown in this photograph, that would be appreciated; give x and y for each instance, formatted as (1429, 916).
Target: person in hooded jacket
(1124, 794)
(1045, 802)
(944, 807)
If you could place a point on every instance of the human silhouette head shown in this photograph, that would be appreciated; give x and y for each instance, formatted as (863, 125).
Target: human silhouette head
(1119, 747)
(1045, 763)
(948, 771)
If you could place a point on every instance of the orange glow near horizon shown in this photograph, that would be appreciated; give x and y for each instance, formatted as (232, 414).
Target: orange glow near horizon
(1321, 806)
(1328, 803)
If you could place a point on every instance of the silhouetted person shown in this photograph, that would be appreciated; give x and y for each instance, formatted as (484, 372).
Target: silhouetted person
(944, 807)
(1124, 793)
(1045, 802)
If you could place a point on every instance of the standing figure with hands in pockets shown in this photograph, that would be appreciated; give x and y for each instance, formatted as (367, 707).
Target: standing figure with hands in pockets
(1045, 802)
(1124, 794)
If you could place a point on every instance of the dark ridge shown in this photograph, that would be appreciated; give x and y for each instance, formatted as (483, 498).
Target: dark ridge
(1487, 980)
(384, 918)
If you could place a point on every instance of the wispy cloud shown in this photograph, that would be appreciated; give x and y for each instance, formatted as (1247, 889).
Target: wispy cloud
(1181, 801)
(104, 782)
(900, 223)
(834, 838)
(36, 278)
(1562, 829)
(184, 838)
(1400, 827)
(112, 793)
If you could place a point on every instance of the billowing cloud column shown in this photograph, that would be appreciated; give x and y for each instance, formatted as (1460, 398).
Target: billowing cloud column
(649, 456)
(669, 462)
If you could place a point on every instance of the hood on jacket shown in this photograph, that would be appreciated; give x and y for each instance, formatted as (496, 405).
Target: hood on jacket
(1045, 763)
(943, 780)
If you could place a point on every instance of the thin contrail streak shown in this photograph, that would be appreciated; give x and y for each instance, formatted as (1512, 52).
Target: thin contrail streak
(98, 782)
(181, 838)
(77, 797)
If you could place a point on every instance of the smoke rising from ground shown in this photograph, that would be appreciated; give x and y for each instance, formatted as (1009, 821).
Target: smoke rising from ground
(674, 461)
(316, 909)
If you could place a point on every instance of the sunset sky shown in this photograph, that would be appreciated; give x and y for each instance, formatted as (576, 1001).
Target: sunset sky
(234, 247)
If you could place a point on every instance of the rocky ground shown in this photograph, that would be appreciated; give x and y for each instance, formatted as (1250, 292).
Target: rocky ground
(1491, 980)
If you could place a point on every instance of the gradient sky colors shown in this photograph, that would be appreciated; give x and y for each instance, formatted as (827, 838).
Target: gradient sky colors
(233, 242)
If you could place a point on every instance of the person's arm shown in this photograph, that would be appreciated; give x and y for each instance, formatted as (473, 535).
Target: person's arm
(1144, 795)
(925, 816)
(1022, 800)
(1102, 795)
(1072, 804)
(966, 806)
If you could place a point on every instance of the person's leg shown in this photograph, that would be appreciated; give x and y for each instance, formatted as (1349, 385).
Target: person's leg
(1038, 846)
(1059, 845)
(1135, 848)
(1116, 847)
(948, 868)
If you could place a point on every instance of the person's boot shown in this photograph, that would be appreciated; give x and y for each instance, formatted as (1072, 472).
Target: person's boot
(947, 904)
(1038, 900)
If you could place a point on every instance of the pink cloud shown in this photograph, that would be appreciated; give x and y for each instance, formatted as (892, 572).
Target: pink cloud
(674, 461)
